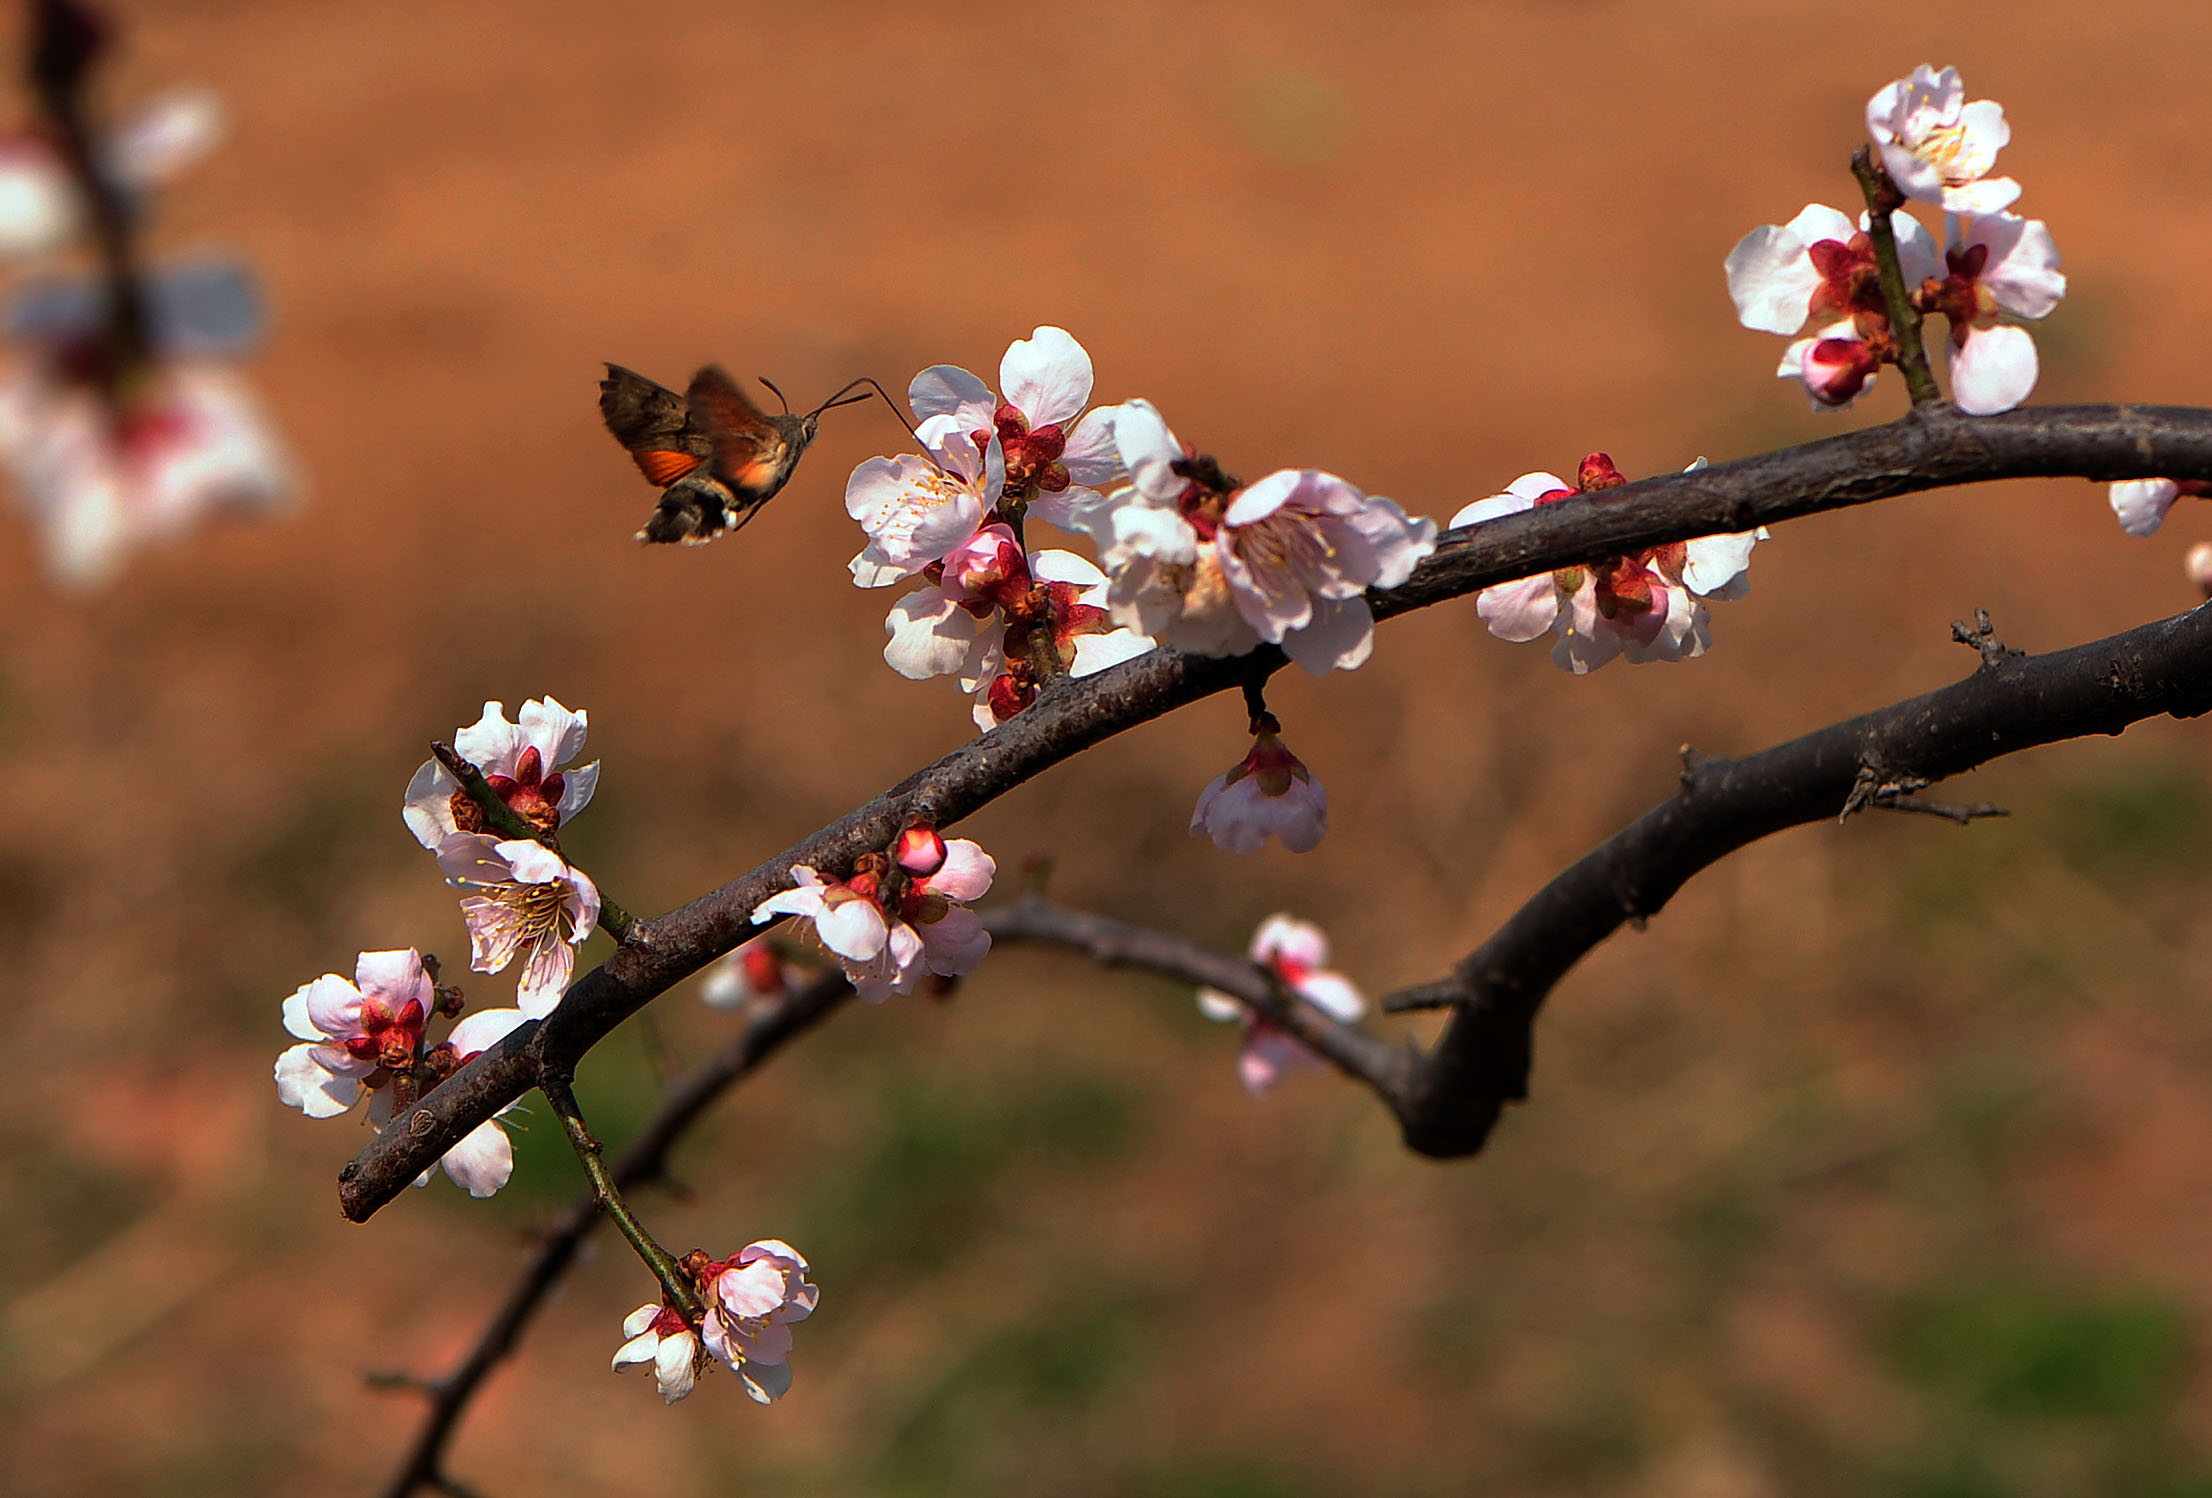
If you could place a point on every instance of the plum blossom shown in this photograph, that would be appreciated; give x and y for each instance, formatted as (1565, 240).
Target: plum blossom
(41, 205)
(753, 973)
(1270, 793)
(986, 587)
(519, 897)
(1053, 461)
(1204, 564)
(753, 1299)
(1646, 606)
(1937, 147)
(523, 761)
(2001, 264)
(96, 484)
(354, 1034)
(916, 510)
(367, 1036)
(1295, 951)
(896, 919)
(2141, 504)
(659, 1335)
(1814, 280)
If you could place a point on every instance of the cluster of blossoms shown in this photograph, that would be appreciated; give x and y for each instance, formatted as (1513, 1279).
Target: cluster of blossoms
(750, 1299)
(1649, 606)
(519, 898)
(902, 915)
(1815, 280)
(366, 1036)
(1187, 556)
(1295, 952)
(111, 441)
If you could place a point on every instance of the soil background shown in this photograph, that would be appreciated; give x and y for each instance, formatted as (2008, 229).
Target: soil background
(1880, 1163)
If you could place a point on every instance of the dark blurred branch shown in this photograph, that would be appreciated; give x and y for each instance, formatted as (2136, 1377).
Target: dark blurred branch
(642, 1161)
(1931, 447)
(67, 41)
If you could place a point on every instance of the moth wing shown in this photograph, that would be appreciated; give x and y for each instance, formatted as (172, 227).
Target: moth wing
(745, 446)
(652, 421)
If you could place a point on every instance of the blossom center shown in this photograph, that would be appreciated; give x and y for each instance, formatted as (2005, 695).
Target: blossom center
(1032, 455)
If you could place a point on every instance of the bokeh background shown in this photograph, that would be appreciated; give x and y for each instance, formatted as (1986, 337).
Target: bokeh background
(1880, 1164)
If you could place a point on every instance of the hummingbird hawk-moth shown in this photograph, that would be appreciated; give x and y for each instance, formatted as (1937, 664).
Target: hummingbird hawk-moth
(715, 455)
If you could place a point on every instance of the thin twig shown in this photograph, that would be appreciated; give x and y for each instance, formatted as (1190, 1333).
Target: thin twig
(1950, 813)
(676, 1286)
(1882, 200)
(1353, 1051)
(643, 1160)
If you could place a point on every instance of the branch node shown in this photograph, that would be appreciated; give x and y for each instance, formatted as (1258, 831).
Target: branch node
(1983, 638)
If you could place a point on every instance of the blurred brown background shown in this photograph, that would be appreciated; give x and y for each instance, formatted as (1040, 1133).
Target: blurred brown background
(1879, 1164)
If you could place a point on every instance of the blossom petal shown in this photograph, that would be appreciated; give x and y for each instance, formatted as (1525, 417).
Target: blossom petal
(1995, 371)
(304, 1081)
(1521, 611)
(948, 390)
(1046, 376)
(482, 1162)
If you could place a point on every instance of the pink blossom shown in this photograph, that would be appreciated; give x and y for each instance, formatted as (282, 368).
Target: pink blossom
(753, 974)
(1155, 537)
(519, 897)
(352, 1031)
(1053, 461)
(1836, 366)
(1937, 147)
(41, 205)
(659, 1335)
(1814, 280)
(1647, 606)
(916, 510)
(2141, 504)
(889, 925)
(1206, 565)
(194, 443)
(1269, 793)
(1818, 268)
(986, 585)
(1295, 951)
(527, 762)
(41, 210)
(754, 1299)
(2002, 264)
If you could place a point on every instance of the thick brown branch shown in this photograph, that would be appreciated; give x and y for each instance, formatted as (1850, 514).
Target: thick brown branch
(1932, 447)
(2010, 703)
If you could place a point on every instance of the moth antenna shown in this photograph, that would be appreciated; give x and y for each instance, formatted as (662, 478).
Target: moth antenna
(771, 384)
(846, 398)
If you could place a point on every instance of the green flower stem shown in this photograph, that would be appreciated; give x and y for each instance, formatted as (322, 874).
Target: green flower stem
(510, 823)
(675, 1283)
(1882, 200)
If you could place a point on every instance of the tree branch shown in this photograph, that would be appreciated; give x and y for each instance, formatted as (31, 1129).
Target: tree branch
(1350, 1049)
(2011, 702)
(1931, 447)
